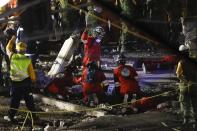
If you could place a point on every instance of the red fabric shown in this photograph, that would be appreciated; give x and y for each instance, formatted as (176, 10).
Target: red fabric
(52, 88)
(60, 85)
(169, 58)
(85, 60)
(68, 78)
(127, 85)
(84, 37)
(77, 80)
(92, 51)
(147, 103)
(95, 87)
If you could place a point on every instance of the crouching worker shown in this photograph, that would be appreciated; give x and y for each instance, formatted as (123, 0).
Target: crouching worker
(94, 84)
(60, 86)
(22, 75)
(125, 81)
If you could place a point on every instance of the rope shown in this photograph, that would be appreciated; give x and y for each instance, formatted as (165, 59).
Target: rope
(89, 109)
(32, 120)
(80, 110)
(24, 121)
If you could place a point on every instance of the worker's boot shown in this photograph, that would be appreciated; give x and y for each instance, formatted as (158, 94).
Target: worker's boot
(91, 101)
(185, 120)
(10, 119)
(125, 105)
(126, 96)
(95, 98)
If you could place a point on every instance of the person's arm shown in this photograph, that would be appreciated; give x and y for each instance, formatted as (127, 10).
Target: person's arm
(84, 36)
(31, 72)
(9, 47)
(116, 81)
(179, 70)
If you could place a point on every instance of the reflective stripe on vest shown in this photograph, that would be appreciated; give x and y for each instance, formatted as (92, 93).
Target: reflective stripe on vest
(19, 67)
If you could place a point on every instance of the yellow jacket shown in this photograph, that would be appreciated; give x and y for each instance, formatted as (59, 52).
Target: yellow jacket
(179, 70)
(9, 51)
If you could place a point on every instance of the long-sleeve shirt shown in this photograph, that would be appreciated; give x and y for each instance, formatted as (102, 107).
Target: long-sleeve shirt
(9, 51)
(179, 70)
(92, 48)
(127, 84)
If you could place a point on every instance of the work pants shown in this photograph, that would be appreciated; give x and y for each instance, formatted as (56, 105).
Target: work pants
(21, 90)
(188, 99)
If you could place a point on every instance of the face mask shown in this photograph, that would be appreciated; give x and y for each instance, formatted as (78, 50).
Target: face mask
(98, 40)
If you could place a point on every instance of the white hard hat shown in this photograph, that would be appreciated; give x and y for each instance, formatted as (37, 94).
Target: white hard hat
(98, 9)
(183, 47)
(99, 31)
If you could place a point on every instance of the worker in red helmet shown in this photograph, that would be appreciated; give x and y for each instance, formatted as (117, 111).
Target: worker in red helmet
(94, 84)
(125, 80)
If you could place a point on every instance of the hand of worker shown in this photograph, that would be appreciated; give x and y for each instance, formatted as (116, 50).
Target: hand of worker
(86, 29)
(13, 38)
(34, 88)
(105, 88)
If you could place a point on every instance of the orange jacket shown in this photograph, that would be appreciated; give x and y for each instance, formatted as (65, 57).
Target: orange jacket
(127, 84)
(60, 85)
(92, 49)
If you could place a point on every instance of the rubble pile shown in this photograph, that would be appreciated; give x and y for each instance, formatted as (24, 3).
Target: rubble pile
(149, 85)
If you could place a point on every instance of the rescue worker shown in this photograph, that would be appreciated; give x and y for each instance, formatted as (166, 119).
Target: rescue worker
(22, 75)
(186, 72)
(60, 86)
(125, 81)
(92, 44)
(94, 84)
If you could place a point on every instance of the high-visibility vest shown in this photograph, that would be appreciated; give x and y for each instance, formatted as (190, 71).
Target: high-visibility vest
(2, 9)
(19, 67)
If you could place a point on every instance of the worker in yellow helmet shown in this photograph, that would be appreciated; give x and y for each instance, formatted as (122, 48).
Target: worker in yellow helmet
(22, 75)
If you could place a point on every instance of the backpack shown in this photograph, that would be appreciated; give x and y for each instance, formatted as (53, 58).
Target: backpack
(125, 72)
(90, 75)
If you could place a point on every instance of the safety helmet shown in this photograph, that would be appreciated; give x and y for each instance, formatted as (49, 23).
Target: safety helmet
(121, 59)
(99, 32)
(98, 9)
(21, 46)
(183, 48)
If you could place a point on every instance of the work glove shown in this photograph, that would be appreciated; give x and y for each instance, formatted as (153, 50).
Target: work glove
(105, 88)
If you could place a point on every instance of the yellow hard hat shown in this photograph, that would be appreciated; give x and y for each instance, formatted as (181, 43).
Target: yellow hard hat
(21, 46)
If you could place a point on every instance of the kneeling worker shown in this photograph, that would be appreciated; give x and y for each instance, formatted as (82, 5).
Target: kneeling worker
(125, 81)
(94, 84)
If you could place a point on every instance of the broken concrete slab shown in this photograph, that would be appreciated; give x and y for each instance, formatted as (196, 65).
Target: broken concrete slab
(70, 107)
(150, 120)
